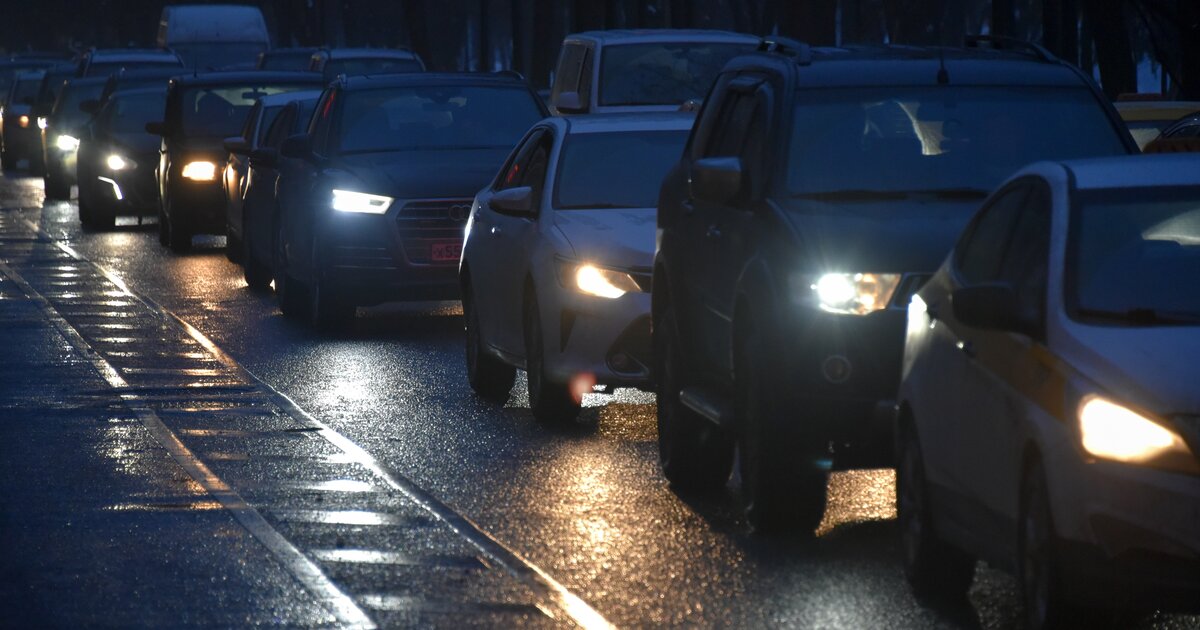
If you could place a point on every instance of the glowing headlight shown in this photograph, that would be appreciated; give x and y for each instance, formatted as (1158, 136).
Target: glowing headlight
(23, 121)
(200, 171)
(66, 143)
(118, 163)
(847, 293)
(1112, 431)
(41, 122)
(600, 282)
(349, 201)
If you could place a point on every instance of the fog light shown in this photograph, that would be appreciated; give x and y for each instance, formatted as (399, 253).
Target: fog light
(836, 369)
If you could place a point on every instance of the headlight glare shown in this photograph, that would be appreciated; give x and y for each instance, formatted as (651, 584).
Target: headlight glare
(593, 280)
(350, 201)
(847, 293)
(23, 121)
(41, 122)
(118, 163)
(67, 143)
(1111, 431)
(200, 170)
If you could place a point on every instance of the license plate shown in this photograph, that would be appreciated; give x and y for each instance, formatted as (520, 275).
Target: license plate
(447, 251)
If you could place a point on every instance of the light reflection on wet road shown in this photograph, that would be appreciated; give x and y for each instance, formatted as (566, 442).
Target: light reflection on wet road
(586, 503)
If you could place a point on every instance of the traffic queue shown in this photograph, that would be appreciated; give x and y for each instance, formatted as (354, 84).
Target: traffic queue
(950, 260)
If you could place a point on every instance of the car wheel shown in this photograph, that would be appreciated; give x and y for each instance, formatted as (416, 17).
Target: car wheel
(694, 453)
(289, 291)
(56, 187)
(784, 489)
(233, 245)
(550, 401)
(178, 239)
(489, 377)
(85, 212)
(164, 236)
(936, 572)
(257, 274)
(1037, 572)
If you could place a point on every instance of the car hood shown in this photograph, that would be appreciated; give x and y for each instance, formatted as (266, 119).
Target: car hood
(137, 142)
(614, 237)
(1151, 367)
(210, 146)
(892, 236)
(443, 173)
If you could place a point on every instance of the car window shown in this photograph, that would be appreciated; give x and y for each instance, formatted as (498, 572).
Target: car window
(253, 117)
(733, 126)
(981, 253)
(1027, 257)
(219, 111)
(662, 73)
(706, 118)
(535, 173)
(585, 76)
(586, 170)
(128, 114)
(570, 66)
(66, 110)
(280, 128)
(514, 170)
(370, 65)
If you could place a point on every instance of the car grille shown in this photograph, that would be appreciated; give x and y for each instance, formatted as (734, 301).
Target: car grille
(364, 258)
(421, 224)
(909, 285)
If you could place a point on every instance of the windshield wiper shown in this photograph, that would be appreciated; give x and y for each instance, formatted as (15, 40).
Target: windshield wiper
(863, 194)
(1141, 316)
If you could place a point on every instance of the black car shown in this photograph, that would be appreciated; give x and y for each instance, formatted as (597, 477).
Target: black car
(10, 68)
(64, 128)
(819, 190)
(134, 79)
(236, 169)
(259, 210)
(202, 110)
(334, 62)
(373, 198)
(22, 139)
(99, 62)
(287, 59)
(117, 159)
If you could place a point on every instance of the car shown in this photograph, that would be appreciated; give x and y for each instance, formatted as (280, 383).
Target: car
(212, 37)
(202, 110)
(1147, 117)
(236, 169)
(820, 188)
(99, 62)
(1048, 420)
(22, 139)
(612, 71)
(288, 59)
(117, 157)
(332, 62)
(555, 271)
(260, 211)
(132, 79)
(62, 131)
(10, 68)
(52, 83)
(374, 197)
(1181, 136)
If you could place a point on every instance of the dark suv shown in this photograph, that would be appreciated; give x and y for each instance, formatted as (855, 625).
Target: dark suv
(820, 188)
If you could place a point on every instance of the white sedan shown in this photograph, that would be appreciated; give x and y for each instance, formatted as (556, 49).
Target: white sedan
(556, 263)
(1049, 414)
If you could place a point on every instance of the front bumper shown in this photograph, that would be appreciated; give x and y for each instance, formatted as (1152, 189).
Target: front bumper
(134, 193)
(62, 164)
(608, 339)
(196, 206)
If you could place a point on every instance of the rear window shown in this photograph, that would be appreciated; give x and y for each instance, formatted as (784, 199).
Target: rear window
(435, 117)
(220, 111)
(290, 62)
(592, 162)
(130, 113)
(662, 73)
(206, 56)
(102, 68)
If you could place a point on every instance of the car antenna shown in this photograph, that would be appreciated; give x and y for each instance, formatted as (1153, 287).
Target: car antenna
(943, 77)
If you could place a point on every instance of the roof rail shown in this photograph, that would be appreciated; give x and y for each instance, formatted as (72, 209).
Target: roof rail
(512, 74)
(1004, 42)
(787, 46)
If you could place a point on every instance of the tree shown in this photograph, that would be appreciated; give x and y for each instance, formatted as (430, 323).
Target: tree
(1114, 52)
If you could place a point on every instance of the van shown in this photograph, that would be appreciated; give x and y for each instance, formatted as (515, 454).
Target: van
(214, 36)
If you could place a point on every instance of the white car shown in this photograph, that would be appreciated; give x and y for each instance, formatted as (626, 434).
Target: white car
(1049, 409)
(556, 264)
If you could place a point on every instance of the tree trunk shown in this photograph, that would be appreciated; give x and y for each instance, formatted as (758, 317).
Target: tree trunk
(813, 22)
(1114, 52)
(1189, 38)
(418, 28)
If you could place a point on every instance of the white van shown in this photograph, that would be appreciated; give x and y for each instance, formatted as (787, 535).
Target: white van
(214, 36)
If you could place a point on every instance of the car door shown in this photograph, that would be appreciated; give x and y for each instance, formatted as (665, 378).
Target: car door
(237, 168)
(956, 431)
(298, 180)
(261, 179)
(501, 259)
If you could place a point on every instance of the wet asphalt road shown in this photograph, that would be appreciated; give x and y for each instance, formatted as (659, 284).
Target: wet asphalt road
(585, 504)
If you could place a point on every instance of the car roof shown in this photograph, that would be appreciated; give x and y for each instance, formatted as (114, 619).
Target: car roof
(146, 73)
(417, 79)
(291, 50)
(273, 100)
(138, 91)
(131, 54)
(1136, 171)
(352, 53)
(651, 35)
(639, 121)
(30, 75)
(84, 81)
(245, 76)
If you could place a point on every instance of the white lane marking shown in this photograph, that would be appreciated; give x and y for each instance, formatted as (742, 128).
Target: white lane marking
(342, 606)
(559, 600)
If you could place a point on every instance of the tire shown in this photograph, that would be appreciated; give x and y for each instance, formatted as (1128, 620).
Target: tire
(783, 487)
(56, 187)
(489, 377)
(550, 402)
(257, 275)
(936, 572)
(695, 454)
(164, 234)
(1038, 574)
(178, 239)
(327, 310)
(291, 293)
(86, 215)
(233, 245)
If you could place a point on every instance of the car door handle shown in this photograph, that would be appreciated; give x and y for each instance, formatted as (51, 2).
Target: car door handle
(967, 348)
(713, 232)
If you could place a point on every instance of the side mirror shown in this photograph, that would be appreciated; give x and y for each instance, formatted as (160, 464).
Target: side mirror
(987, 306)
(297, 146)
(267, 156)
(716, 180)
(237, 144)
(157, 128)
(90, 106)
(569, 103)
(514, 200)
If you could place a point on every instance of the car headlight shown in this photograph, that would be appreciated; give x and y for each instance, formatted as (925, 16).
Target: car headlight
(67, 143)
(1111, 431)
(201, 171)
(846, 293)
(41, 122)
(598, 281)
(23, 121)
(118, 163)
(350, 201)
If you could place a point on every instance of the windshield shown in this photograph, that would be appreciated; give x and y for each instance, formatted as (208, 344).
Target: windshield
(103, 68)
(129, 113)
(938, 138)
(217, 55)
(26, 90)
(66, 110)
(1134, 256)
(662, 73)
(297, 61)
(220, 111)
(436, 117)
(592, 162)
(376, 65)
